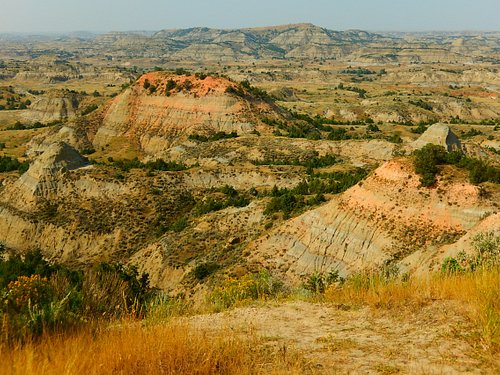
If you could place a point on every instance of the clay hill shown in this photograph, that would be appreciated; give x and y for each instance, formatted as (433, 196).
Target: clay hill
(162, 109)
(52, 108)
(386, 218)
(213, 210)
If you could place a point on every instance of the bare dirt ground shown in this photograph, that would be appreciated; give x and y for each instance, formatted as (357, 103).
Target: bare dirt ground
(339, 340)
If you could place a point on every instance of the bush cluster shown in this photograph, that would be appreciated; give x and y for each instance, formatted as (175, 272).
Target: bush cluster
(232, 198)
(89, 109)
(305, 126)
(421, 104)
(37, 296)
(486, 255)
(8, 164)
(157, 165)
(214, 137)
(313, 161)
(429, 157)
(318, 282)
(290, 201)
(37, 125)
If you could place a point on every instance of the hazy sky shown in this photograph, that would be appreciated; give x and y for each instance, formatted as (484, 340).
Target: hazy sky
(119, 15)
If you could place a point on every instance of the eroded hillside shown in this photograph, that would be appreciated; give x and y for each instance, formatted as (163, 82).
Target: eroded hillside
(228, 182)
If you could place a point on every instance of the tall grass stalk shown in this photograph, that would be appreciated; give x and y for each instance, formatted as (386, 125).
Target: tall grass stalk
(478, 293)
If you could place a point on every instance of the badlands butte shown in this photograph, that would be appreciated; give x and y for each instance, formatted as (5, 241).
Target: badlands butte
(202, 154)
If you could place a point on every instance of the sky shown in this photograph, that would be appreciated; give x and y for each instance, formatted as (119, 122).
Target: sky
(54, 16)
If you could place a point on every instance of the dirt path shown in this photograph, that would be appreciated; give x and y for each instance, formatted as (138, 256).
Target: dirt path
(429, 340)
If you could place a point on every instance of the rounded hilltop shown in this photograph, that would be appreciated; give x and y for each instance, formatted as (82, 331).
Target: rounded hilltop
(199, 84)
(162, 109)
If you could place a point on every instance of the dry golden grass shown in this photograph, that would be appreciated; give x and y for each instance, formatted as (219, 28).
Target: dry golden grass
(134, 349)
(477, 292)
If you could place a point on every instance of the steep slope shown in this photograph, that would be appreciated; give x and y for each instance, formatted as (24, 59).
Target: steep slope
(385, 218)
(44, 177)
(55, 107)
(162, 109)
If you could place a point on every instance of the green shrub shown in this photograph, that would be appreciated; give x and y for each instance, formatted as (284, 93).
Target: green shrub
(287, 203)
(486, 255)
(338, 135)
(37, 296)
(395, 138)
(229, 191)
(157, 165)
(8, 164)
(223, 135)
(179, 225)
(422, 104)
(426, 161)
(318, 282)
(292, 201)
(471, 133)
(313, 161)
(212, 204)
(372, 128)
(232, 198)
(89, 109)
(450, 266)
(487, 247)
(88, 151)
(171, 84)
(202, 270)
(182, 72)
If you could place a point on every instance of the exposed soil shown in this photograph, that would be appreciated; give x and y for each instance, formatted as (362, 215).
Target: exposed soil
(341, 340)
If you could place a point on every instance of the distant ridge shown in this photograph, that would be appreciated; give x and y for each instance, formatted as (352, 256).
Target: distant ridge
(292, 41)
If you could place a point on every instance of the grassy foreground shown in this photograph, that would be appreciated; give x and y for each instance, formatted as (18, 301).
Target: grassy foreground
(158, 346)
(478, 294)
(134, 349)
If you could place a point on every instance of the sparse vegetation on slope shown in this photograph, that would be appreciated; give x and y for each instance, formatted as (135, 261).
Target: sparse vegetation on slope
(428, 159)
(157, 165)
(292, 201)
(212, 138)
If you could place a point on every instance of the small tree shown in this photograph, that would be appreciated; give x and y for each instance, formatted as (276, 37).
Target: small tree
(426, 161)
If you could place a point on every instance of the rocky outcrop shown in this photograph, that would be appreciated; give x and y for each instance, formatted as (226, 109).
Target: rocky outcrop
(43, 178)
(69, 134)
(52, 108)
(441, 135)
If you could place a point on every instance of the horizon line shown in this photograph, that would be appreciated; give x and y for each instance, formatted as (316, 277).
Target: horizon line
(100, 32)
